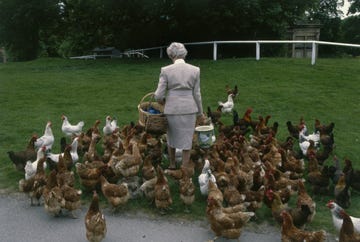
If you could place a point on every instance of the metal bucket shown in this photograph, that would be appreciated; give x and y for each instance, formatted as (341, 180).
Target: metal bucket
(205, 135)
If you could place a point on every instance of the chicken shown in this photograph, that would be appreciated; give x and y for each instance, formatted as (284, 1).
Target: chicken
(148, 189)
(72, 198)
(214, 192)
(35, 185)
(148, 170)
(68, 129)
(254, 198)
(226, 222)
(19, 158)
(64, 176)
(162, 191)
(335, 170)
(116, 194)
(187, 192)
(204, 178)
(337, 219)
(234, 91)
(110, 125)
(306, 141)
(304, 199)
(73, 152)
(47, 139)
(342, 193)
(227, 107)
(52, 194)
(91, 154)
(89, 177)
(347, 231)
(95, 223)
(325, 129)
(290, 233)
(293, 130)
(352, 176)
(30, 167)
(214, 115)
(127, 164)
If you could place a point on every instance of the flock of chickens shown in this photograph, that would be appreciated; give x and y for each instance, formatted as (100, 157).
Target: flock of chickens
(246, 168)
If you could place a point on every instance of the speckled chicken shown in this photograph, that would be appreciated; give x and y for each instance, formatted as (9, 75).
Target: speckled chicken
(226, 222)
(163, 198)
(116, 194)
(53, 196)
(95, 223)
(290, 233)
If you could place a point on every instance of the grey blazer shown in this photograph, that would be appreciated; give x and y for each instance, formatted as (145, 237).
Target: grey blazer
(179, 85)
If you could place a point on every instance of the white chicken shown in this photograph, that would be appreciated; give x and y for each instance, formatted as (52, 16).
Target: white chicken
(227, 107)
(73, 152)
(304, 139)
(69, 129)
(110, 125)
(47, 139)
(30, 167)
(337, 220)
(204, 178)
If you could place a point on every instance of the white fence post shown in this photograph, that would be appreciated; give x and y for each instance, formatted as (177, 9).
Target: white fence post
(313, 53)
(257, 51)
(215, 51)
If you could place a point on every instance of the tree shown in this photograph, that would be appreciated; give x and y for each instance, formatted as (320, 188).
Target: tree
(354, 6)
(21, 23)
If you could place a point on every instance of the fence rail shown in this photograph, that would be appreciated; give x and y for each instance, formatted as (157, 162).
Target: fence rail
(314, 45)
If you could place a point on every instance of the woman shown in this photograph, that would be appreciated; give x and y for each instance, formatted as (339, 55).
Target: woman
(179, 89)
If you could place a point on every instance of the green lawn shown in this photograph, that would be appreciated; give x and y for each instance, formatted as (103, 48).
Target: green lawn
(31, 93)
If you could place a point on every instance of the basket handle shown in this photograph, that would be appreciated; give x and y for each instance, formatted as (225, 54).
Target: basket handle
(147, 95)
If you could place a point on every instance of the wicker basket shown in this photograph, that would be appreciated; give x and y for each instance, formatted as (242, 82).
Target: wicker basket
(153, 123)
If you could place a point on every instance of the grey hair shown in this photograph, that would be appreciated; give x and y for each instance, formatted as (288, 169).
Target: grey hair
(176, 51)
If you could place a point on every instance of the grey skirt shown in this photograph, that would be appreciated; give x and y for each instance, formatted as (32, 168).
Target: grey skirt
(181, 130)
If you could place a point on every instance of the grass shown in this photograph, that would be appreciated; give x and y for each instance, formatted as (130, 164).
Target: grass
(31, 93)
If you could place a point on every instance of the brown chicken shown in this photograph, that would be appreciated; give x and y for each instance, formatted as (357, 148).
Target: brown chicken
(226, 222)
(347, 231)
(19, 158)
(162, 191)
(148, 170)
(127, 164)
(214, 192)
(91, 153)
(214, 115)
(304, 199)
(116, 194)
(342, 192)
(352, 175)
(254, 198)
(53, 196)
(187, 192)
(39, 181)
(299, 214)
(290, 233)
(72, 198)
(89, 177)
(95, 223)
(63, 175)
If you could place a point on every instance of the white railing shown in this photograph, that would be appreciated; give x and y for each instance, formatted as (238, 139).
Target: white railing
(313, 43)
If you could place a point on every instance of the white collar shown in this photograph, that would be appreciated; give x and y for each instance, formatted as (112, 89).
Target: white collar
(179, 61)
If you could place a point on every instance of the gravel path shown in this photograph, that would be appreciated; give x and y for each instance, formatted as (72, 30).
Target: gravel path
(22, 222)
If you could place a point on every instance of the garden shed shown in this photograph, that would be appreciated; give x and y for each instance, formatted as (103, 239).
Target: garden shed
(304, 31)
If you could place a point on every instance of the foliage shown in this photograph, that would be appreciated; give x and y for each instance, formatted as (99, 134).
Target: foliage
(351, 33)
(75, 27)
(21, 24)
